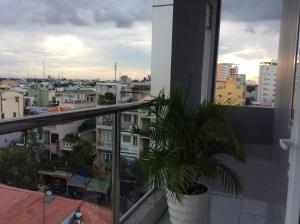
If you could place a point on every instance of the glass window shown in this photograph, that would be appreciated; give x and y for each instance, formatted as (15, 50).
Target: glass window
(127, 117)
(54, 138)
(107, 157)
(135, 119)
(135, 140)
(127, 138)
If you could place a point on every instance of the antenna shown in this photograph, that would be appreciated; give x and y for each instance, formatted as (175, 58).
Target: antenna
(116, 71)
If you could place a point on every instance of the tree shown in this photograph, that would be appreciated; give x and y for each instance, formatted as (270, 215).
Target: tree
(32, 140)
(18, 168)
(82, 155)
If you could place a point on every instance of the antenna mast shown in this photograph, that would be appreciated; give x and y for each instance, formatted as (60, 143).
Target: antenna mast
(116, 71)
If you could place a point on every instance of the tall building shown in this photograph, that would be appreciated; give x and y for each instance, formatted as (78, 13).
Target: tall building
(267, 82)
(226, 69)
(230, 92)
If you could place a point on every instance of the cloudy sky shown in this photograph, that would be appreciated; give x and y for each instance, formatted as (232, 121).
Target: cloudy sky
(83, 38)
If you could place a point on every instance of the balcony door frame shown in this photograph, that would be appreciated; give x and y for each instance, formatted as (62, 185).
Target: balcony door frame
(293, 194)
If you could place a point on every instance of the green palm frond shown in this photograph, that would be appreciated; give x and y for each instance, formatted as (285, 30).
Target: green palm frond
(186, 145)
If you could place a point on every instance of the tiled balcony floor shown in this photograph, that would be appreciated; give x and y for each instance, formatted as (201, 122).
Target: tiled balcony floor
(226, 209)
(257, 203)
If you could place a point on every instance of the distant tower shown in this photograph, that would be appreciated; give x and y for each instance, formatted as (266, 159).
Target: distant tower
(116, 71)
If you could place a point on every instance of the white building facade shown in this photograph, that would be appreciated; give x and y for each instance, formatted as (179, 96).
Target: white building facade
(267, 83)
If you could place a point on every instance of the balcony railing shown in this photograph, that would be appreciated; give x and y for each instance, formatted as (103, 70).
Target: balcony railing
(39, 121)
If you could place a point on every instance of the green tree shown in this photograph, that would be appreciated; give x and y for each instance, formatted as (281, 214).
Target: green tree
(18, 168)
(82, 155)
(32, 140)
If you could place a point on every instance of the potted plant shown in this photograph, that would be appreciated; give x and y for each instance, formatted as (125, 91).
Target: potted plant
(186, 144)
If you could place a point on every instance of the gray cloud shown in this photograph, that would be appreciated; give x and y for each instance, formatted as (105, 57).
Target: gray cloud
(250, 29)
(76, 12)
(251, 11)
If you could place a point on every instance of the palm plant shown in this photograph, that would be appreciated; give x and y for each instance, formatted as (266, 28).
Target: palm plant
(186, 145)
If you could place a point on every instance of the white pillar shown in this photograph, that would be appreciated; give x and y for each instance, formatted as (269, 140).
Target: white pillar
(162, 29)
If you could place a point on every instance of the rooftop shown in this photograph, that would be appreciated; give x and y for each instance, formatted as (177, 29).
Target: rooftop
(24, 206)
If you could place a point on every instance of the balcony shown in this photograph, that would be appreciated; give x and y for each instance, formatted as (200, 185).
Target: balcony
(254, 205)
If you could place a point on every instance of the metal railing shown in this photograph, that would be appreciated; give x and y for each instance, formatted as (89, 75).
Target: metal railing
(38, 121)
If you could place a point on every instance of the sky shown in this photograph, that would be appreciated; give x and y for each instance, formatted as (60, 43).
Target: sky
(83, 38)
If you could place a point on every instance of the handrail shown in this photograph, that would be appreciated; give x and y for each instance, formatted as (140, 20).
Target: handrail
(38, 121)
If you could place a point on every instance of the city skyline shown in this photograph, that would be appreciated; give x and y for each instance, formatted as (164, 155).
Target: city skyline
(83, 40)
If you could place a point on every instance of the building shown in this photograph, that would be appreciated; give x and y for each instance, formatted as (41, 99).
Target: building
(24, 206)
(11, 104)
(112, 93)
(230, 92)
(226, 69)
(10, 82)
(267, 83)
(42, 97)
(242, 78)
(132, 145)
(53, 136)
(140, 90)
(76, 99)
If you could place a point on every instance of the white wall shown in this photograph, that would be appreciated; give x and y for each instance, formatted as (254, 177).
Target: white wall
(162, 27)
(5, 140)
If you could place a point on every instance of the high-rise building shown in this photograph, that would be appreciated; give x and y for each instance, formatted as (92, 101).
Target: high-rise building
(267, 82)
(226, 69)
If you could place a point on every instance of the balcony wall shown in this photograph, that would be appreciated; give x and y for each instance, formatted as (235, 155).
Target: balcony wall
(254, 125)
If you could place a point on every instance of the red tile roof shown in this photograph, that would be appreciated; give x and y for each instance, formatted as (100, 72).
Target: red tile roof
(19, 206)
(56, 109)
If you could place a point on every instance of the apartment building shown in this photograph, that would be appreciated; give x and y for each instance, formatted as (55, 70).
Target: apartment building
(230, 92)
(267, 83)
(132, 144)
(226, 69)
(53, 136)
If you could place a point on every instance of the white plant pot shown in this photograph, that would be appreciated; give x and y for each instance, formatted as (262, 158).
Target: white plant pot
(194, 209)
